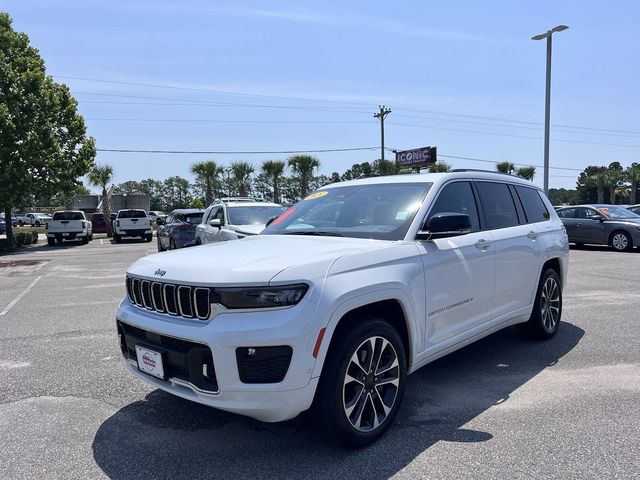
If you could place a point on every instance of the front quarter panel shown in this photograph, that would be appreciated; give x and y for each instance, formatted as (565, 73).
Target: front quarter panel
(393, 273)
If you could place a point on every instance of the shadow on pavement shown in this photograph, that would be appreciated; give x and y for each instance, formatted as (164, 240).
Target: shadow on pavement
(164, 436)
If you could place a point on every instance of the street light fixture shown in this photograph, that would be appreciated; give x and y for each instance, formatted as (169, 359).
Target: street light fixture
(547, 108)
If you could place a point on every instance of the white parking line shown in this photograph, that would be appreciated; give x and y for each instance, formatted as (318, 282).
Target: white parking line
(17, 299)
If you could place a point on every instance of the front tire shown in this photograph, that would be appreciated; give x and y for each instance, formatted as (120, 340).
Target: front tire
(117, 238)
(362, 383)
(621, 241)
(547, 309)
(51, 241)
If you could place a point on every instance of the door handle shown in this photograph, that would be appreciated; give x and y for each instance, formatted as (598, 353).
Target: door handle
(483, 244)
(532, 235)
(578, 224)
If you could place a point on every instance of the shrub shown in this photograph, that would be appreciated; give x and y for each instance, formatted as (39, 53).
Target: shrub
(23, 238)
(34, 237)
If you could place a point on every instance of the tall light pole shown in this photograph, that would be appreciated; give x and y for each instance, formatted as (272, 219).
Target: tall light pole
(382, 114)
(547, 106)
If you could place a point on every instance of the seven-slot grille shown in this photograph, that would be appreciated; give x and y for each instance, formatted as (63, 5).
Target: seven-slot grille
(178, 300)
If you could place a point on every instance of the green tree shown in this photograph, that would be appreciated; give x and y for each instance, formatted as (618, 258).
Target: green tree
(587, 190)
(101, 176)
(632, 174)
(241, 177)
(207, 175)
(43, 144)
(439, 167)
(303, 167)
(613, 180)
(526, 172)
(274, 169)
(127, 188)
(562, 196)
(506, 167)
(382, 168)
(334, 178)
(176, 193)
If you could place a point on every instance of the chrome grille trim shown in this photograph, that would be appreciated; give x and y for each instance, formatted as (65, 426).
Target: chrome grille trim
(201, 315)
(158, 303)
(185, 310)
(170, 299)
(170, 290)
(145, 288)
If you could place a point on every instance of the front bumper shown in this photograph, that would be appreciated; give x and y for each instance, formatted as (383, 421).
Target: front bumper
(223, 334)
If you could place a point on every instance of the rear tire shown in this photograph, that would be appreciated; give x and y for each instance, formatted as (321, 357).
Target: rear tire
(117, 238)
(51, 241)
(85, 239)
(172, 245)
(547, 309)
(362, 383)
(148, 238)
(37, 224)
(621, 241)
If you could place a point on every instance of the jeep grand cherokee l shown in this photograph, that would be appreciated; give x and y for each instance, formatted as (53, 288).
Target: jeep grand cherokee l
(344, 295)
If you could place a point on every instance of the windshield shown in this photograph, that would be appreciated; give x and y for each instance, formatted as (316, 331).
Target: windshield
(132, 214)
(253, 215)
(614, 211)
(378, 211)
(67, 216)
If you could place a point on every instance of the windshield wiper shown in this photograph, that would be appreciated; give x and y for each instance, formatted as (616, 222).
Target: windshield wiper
(316, 233)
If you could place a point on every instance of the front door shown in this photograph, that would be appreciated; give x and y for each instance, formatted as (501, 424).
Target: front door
(460, 271)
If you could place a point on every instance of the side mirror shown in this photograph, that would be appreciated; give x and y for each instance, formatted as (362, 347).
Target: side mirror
(600, 218)
(443, 225)
(270, 221)
(215, 222)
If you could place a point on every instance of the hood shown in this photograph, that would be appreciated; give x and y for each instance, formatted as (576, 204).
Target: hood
(627, 221)
(247, 229)
(252, 261)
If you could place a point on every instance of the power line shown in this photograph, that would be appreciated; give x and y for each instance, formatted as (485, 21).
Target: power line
(202, 120)
(215, 152)
(361, 104)
(498, 161)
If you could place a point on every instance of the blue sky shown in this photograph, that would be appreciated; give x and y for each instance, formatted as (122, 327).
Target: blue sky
(268, 76)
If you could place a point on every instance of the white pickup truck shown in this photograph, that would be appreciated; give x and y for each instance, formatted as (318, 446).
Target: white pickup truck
(32, 219)
(68, 225)
(132, 223)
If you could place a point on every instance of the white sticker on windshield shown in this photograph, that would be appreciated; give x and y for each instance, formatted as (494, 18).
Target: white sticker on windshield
(402, 215)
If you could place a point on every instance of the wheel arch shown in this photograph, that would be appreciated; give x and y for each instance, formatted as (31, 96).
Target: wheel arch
(394, 309)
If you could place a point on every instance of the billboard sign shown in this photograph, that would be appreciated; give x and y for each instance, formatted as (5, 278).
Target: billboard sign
(418, 157)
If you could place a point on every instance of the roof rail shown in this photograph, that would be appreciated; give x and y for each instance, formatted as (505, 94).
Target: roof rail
(455, 170)
(235, 199)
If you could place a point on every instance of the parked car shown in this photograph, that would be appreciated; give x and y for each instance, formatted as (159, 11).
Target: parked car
(154, 215)
(344, 295)
(99, 225)
(179, 229)
(235, 218)
(635, 209)
(600, 224)
(33, 219)
(132, 223)
(68, 225)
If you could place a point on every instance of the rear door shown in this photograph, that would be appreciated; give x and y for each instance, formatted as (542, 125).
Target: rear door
(460, 271)
(517, 256)
(569, 220)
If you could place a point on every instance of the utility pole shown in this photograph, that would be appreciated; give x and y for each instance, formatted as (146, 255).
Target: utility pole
(382, 114)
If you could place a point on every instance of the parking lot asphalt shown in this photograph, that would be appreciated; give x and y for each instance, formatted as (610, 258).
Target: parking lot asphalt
(505, 407)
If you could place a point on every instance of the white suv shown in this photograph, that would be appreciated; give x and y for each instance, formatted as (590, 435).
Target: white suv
(353, 288)
(235, 218)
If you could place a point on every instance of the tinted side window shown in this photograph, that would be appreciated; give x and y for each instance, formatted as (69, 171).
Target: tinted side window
(534, 207)
(497, 205)
(567, 213)
(457, 197)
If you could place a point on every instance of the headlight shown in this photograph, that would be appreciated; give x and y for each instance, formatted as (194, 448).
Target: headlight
(262, 297)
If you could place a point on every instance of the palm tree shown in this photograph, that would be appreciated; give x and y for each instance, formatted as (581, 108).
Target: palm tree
(613, 177)
(440, 167)
(274, 170)
(526, 172)
(303, 166)
(600, 181)
(241, 172)
(506, 167)
(101, 176)
(208, 173)
(633, 177)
